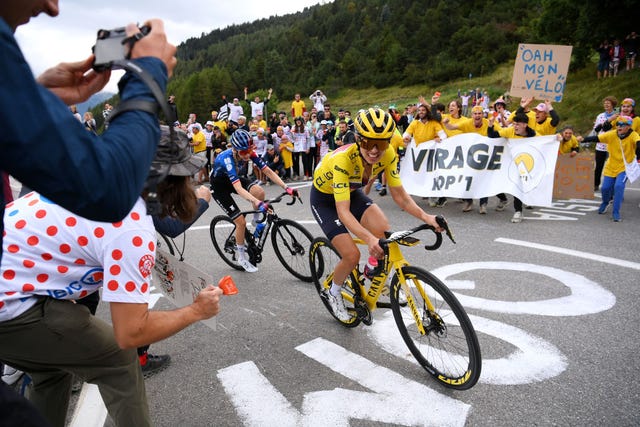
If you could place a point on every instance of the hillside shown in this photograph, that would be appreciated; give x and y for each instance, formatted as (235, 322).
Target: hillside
(582, 100)
(376, 51)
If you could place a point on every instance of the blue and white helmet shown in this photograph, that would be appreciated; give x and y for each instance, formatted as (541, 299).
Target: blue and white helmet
(241, 140)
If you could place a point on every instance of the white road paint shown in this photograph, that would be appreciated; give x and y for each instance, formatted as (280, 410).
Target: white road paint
(90, 410)
(571, 252)
(586, 297)
(393, 398)
(533, 360)
(206, 227)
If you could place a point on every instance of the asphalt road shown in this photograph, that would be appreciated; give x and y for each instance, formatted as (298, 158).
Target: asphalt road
(553, 300)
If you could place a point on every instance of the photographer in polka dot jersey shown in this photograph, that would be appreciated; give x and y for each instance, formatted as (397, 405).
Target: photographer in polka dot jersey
(56, 257)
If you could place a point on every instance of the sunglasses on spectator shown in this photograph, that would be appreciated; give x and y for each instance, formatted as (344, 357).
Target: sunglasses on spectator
(620, 124)
(369, 144)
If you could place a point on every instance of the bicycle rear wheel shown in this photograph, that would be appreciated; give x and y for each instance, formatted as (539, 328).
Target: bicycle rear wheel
(323, 258)
(291, 242)
(449, 348)
(222, 230)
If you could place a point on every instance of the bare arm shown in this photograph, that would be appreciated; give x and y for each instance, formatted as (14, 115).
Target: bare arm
(246, 195)
(134, 325)
(407, 204)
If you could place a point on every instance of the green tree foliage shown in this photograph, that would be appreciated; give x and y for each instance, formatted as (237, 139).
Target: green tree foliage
(381, 43)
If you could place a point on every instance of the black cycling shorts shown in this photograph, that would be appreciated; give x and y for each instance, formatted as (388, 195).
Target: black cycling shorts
(323, 207)
(221, 190)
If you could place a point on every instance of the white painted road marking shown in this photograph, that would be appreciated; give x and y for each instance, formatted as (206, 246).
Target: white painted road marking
(586, 297)
(394, 398)
(565, 251)
(533, 360)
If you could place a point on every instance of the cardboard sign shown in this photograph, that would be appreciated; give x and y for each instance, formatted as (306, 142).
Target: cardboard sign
(541, 71)
(574, 176)
(179, 281)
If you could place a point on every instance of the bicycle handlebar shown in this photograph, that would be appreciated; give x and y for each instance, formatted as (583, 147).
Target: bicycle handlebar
(442, 222)
(279, 199)
(273, 201)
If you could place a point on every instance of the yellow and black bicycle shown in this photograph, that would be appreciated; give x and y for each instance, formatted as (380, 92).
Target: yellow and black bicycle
(431, 320)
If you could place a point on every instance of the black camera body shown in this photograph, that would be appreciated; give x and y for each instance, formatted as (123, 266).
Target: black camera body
(113, 45)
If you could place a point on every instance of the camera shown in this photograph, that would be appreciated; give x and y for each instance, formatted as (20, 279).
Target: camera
(318, 93)
(112, 46)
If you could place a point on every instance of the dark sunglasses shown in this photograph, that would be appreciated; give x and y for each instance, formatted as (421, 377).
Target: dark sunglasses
(244, 152)
(620, 124)
(369, 144)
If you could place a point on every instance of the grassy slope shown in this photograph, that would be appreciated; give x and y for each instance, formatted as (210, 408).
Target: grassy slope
(582, 100)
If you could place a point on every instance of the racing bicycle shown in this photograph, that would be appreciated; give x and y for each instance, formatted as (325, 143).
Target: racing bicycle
(431, 320)
(290, 240)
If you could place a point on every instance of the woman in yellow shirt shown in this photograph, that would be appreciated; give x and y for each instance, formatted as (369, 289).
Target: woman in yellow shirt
(621, 145)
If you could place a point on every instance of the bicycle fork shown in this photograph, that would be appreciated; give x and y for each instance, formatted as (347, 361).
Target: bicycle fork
(403, 283)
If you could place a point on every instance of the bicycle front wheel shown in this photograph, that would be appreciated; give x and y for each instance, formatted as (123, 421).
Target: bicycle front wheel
(448, 348)
(291, 243)
(323, 258)
(222, 230)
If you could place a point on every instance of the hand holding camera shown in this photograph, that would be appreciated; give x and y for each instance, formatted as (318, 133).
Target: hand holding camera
(74, 82)
(133, 42)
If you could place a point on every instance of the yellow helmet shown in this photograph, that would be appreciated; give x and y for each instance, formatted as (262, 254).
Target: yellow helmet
(374, 123)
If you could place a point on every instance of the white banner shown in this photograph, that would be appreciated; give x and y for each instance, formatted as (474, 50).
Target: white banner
(472, 166)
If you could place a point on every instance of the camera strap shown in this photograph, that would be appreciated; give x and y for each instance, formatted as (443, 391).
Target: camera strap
(153, 204)
(148, 79)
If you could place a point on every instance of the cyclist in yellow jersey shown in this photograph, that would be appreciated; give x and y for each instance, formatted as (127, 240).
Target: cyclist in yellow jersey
(341, 207)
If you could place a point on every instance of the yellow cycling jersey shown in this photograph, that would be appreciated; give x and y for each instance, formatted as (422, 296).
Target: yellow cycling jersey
(341, 171)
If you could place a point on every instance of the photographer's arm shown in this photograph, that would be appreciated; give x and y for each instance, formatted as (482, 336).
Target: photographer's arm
(96, 177)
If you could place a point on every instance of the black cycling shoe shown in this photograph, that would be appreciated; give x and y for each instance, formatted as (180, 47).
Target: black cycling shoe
(155, 364)
(383, 192)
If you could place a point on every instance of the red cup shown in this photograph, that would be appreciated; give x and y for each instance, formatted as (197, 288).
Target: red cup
(227, 285)
(437, 94)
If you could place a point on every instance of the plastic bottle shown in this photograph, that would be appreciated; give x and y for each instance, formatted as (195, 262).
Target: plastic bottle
(258, 230)
(372, 264)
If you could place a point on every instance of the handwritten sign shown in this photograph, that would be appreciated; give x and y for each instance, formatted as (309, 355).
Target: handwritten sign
(541, 71)
(574, 176)
(180, 282)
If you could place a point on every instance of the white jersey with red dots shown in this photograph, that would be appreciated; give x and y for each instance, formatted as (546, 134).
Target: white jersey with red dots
(52, 252)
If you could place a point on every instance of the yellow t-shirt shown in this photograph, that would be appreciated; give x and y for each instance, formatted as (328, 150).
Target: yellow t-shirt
(453, 121)
(199, 141)
(614, 165)
(397, 141)
(298, 108)
(510, 132)
(543, 128)
(468, 126)
(423, 132)
(222, 125)
(566, 146)
(287, 157)
(341, 171)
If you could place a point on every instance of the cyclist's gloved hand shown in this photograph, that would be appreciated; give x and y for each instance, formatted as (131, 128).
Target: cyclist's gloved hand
(292, 192)
(264, 207)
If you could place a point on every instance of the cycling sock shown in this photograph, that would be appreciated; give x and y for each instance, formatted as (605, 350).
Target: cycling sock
(335, 289)
(241, 250)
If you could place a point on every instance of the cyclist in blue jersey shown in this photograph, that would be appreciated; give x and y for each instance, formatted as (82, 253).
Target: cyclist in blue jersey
(226, 181)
